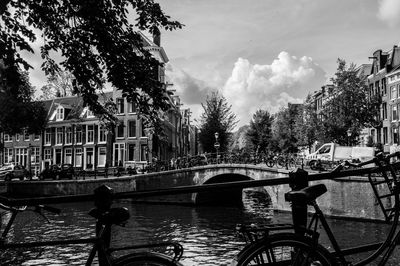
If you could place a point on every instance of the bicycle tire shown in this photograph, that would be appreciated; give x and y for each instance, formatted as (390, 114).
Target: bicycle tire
(270, 163)
(146, 259)
(285, 249)
(281, 163)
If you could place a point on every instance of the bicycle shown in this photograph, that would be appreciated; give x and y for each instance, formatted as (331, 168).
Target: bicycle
(105, 217)
(298, 245)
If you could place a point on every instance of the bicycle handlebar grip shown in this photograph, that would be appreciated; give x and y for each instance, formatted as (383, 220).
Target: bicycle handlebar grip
(50, 209)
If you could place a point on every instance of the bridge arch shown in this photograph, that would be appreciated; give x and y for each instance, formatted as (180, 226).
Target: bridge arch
(228, 196)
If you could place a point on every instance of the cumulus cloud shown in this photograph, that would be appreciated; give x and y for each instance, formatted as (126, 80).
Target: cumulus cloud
(288, 79)
(389, 11)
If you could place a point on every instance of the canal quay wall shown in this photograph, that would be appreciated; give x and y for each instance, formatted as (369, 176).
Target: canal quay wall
(350, 197)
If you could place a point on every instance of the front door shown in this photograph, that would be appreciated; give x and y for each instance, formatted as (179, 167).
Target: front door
(119, 154)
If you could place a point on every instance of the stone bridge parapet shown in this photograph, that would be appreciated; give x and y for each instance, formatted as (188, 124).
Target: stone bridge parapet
(349, 197)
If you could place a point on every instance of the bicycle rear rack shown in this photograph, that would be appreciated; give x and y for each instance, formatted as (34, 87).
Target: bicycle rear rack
(383, 187)
(252, 233)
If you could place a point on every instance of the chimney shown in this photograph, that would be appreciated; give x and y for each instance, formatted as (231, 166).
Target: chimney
(157, 36)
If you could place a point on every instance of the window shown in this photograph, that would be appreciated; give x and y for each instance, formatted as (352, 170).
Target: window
(17, 136)
(7, 138)
(90, 134)
(68, 156)
(78, 135)
(21, 156)
(102, 135)
(385, 135)
(68, 135)
(102, 156)
(394, 112)
(8, 155)
(120, 130)
(60, 113)
(26, 135)
(59, 136)
(58, 155)
(35, 155)
(131, 107)
(395, 136)
(120, 106)
(89, 114)
(384, 110)
(131, 152)
(324, 149)
(383, 81)
(132, 129)
(36, 137)
(47, 137)
(143, 130)
(78, 157)
(89, 157)
(47, 154)
(393, 92)
(119, 153)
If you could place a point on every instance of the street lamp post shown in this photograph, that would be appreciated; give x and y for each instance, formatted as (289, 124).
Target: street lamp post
(216, 144)
(348, 137)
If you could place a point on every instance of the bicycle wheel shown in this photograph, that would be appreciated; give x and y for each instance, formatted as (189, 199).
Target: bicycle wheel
(146, 259)
(281, 162)
(270, 163)
(285, 249)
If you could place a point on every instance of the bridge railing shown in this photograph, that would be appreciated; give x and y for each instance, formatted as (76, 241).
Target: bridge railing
(294, 177)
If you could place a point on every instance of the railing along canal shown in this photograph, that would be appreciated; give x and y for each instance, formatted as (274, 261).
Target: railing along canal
(8, 200)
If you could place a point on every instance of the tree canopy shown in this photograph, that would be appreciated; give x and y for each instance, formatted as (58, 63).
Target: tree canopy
(216, 118)
(349, 108)
(94, 40)
(16, 109)
(260, 130)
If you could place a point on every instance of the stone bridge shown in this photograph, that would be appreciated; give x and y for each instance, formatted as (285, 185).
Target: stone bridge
(199, 175)
(350, 197)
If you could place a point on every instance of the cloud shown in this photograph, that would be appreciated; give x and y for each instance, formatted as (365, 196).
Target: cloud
(389, 11)
(288, 79)
(191, 91)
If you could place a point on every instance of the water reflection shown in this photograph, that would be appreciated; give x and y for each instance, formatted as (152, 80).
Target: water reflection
(206, 233)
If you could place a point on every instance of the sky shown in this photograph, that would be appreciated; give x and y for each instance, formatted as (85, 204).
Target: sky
(263, 54)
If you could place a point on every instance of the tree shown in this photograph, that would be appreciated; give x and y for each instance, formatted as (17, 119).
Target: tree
(58, 85)
(284, 132)
(307, 125)
(260, 132)
(97, 43)
(16, 109)
(217, 117)
(349, 108)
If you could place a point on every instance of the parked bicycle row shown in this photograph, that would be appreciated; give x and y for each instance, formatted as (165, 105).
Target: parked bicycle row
(68, 171)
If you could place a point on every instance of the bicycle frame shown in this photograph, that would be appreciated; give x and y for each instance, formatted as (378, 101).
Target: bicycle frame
(379, 248)
(101, 243)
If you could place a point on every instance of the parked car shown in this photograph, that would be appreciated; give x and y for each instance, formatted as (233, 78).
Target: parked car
(56, 171)
(11, 171)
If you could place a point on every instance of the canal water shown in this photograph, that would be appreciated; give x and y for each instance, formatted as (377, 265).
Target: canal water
(207, 233)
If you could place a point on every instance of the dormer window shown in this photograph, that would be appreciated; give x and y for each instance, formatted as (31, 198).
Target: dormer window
(89, 114)
(60, 113)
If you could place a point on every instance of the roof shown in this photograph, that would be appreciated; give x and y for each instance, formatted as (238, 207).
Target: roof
(74, 104)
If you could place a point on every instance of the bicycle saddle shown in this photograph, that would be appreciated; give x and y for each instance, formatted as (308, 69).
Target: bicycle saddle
(307, 194)
(117, 216)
